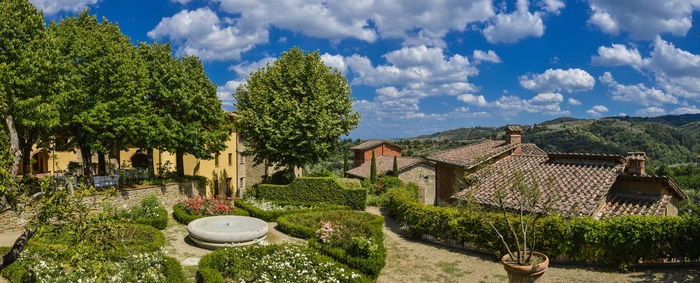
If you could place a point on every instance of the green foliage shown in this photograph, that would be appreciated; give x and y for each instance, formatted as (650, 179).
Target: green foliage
(272, 215)
(395, 170)
(373, 169)
(346, 165)
(611, 241)
(275, 263)
(313, 189)
(181, 215)
(353, 224)
(380, 200)
(323, 173)
(173, 270)
(362, 247)
(349, 182)
(150, 212)
(293, 111)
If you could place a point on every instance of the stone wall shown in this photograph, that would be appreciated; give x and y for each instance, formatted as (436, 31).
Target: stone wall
(423, 175)
(169, 194)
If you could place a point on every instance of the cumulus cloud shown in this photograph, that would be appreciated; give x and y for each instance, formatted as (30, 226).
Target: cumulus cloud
(183, 2)
(511, 27)
(686, 110)
(472, 99)
(225, 92)
(651, 112)
(643, 19)
(597, 110)
(617, 55)
(202, 33)
(51, 7)
(546, 103)
(570, 80)
(636, 93)
(574, 102)
(243, 69)
(335, 61)
(552, 6)
(485, 56)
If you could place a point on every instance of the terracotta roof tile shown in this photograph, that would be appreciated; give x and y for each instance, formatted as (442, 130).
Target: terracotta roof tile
(469, 155)
(618, 204)
(373, 143)
(385, 164)
(579, 181)
(532, 149)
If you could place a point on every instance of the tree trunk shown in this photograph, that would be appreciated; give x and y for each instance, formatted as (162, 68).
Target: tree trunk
(17, 248)
(86, 153)
(14, 145)
(101, 164)
(149, 157)
(26, 146)
(180, 166)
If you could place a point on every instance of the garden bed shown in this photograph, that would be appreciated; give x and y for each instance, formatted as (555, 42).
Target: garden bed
(271, 210)
(198, 207)
(313, 189)
(149, 212)
(351, 237)
(273, 263)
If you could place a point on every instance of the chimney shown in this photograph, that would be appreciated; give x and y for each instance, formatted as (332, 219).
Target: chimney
(636, 163)
(513, 137)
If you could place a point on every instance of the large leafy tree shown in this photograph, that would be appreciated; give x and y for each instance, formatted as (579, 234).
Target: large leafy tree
(293, 112)
(192, 110)
(101, 104)
(28, 78)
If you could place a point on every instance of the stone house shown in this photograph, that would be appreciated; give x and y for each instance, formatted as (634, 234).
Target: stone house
(580, 184)
(411, 169)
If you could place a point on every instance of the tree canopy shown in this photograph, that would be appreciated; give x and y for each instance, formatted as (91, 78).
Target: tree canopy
(292, 112)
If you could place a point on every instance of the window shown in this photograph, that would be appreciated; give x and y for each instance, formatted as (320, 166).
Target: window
(230, 159)
(216, 161)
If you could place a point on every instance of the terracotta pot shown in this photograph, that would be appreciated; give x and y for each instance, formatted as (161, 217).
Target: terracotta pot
(525, 273)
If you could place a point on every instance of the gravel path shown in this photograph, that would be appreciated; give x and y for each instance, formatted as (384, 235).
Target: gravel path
(417, 261)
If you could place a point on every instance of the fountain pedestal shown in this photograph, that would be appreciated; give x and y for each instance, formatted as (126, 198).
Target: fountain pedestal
(226, 231)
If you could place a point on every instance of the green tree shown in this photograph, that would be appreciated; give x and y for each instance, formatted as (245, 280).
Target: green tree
(373, 169)
(346, 165)
(101, 105)
(197, 124)
(395, 169)
(293, 112)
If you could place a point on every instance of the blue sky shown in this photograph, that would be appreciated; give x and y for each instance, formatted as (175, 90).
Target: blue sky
(417, 67)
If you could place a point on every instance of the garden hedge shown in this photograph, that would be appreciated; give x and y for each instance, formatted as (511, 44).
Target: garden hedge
(371, 266)
(159, 222)
(313, 189)
(271, 216)
(621, 241)
(181, 215)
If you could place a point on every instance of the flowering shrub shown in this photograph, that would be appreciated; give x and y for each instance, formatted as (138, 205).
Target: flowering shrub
(274, 263)
(209, 206)
(385, 183)
(362, 247)
(328, 232)
(265, 205)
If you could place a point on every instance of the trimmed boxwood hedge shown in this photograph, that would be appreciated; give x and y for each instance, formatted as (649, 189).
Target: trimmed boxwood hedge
(371, 266)
(621, 241)
(159, 222)
(271, 216)
(313, 189)
(181, 215)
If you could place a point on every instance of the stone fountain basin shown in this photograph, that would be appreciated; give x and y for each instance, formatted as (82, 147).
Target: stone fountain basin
(227, 230)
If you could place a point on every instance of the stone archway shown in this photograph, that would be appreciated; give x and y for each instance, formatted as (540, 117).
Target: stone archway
(40, 162)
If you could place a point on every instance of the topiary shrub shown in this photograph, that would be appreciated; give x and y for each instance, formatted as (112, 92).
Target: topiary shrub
(314, 189)
(351, 224)
(350, 182)
(271, 210)
(149, 212)
(183, 217)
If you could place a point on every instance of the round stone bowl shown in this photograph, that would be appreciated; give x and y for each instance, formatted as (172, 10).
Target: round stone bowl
(226, 231)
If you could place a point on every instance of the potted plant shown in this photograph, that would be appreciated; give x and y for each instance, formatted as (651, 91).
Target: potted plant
(520, 203)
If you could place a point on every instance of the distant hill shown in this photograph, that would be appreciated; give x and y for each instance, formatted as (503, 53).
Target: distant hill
(670, 139)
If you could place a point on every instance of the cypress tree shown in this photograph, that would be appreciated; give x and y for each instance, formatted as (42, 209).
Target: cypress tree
(373, 169)
(396, 168)
(345, 164)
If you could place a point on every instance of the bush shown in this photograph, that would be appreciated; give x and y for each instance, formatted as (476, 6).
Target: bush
(150, 212)
(273, 263)
(181, 215)
(352, 224)
(280, 208)
(612, 241)
(349, 182)
(385, 183)
(377, 200)
(314, 189)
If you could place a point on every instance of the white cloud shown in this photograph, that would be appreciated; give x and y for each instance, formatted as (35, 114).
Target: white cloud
(335, 61)
(617, 55)
(651, 112)
(51, 7)
(245, 68)
(552, 6)
(597, 110)
(637, 93)
(574, 102)
(570, 80)
(225, 92)
(472, 99)
(183, 2)
(509, 28)
(643, 19)
(202, 33)
(485, 56)
(546, 103)
(686, 110)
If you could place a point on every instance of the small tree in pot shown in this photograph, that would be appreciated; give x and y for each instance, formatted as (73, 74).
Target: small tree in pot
(519, 200)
